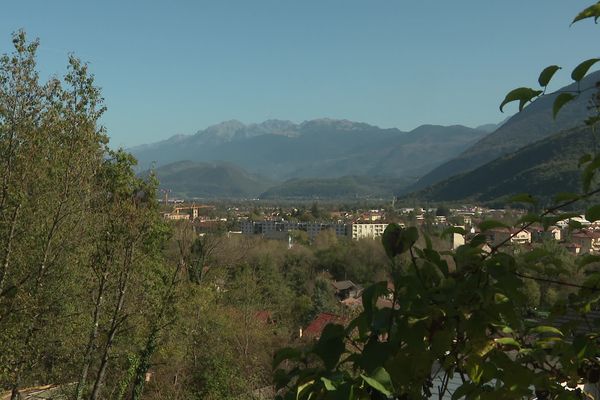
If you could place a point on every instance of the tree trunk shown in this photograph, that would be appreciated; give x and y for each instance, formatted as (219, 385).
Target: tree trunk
(144, 364)
(9, 242)
(115, 322)
(92, 339)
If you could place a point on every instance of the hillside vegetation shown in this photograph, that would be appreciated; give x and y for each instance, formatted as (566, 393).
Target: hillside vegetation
(534, 123)
(190, 179)
(541, 169)
(335, 188)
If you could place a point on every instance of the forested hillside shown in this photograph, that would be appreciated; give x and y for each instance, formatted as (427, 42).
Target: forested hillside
(189, 180)
(533, 124)
(347, 187)
(538, 169)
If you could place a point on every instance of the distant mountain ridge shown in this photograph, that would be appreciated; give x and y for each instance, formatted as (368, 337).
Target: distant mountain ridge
(327, 148)
(535, 122)
(189, 180)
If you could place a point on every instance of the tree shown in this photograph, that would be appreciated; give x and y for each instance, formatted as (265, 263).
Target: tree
(85, 294)
(465, 320)
(315, 211)
(51, 148)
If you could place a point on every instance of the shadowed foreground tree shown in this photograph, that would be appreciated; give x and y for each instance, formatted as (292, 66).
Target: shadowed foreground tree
(464, 330)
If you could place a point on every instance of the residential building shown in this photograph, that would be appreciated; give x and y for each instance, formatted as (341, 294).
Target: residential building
(538, 234)
(514, 236)
(281, 229)
(457, 240)
(573, 248)
(588, 240)
(176, 216)
(190, 212)
(315, 328)
(346, 289)
(367, 231)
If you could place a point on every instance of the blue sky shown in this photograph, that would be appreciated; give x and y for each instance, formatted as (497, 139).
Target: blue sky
(172, 67)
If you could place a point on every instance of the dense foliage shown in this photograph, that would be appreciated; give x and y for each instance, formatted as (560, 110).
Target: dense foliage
(102, 298)
(461, 324)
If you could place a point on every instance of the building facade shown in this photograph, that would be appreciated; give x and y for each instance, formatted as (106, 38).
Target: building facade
(281, 229)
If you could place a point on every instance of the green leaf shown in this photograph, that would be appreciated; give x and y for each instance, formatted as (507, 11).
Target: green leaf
(589, 171)
(442, 342)
(281, 378)
(390, 239)
(411, 235)
(380, 380)
(506, 341)
(593, 213)
(584, 159)
(582, 69)
(575, 225)
(482, 348)
(331, 346)
(474, 368)
(370, 296)
(592, 120)
(549, 330)
(397, 240)
(302, 387)
(499, 298)
(428, 243)
(287, 353)
(529, 218)
(550, 221)
(453, 229)
(491, 224)
(590, 12)
(560, 101)
(565, 196)
(522, 94)
(465, 389)
(547, 75)
(522, 198)
(329, 386)
(478, 240)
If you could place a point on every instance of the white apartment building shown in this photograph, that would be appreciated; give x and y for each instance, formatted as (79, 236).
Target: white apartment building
(367, 231)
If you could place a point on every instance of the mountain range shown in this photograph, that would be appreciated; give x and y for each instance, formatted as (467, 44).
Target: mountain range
(326, 158)
(326, 148)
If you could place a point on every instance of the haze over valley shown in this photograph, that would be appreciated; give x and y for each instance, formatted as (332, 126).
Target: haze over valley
(328, 158)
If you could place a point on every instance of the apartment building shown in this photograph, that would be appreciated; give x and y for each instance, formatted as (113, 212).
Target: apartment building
(366, 231)
(281, 229)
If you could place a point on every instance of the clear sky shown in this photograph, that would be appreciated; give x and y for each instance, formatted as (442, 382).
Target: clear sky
(171, 67)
